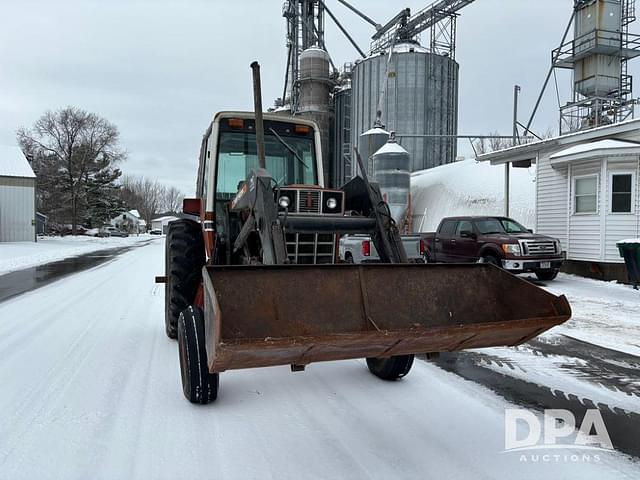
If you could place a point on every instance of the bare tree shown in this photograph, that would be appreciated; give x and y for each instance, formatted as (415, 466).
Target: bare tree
(487, 145)
(77, 147)
(493, 144)
(149, 197)
(172, 201)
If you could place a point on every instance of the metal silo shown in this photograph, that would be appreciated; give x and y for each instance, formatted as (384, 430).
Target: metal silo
(421, 99)
(391, 165)
(344, 163)
(597, 34)
(315, 100)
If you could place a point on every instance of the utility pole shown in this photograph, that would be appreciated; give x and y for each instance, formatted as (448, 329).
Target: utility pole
(507, 166)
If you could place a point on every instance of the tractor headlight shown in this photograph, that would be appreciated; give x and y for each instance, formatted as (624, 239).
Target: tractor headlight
(511, 248)
(332, 203)
(284, 202)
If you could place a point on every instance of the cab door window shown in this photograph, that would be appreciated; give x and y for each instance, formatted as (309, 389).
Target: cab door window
(463, 226)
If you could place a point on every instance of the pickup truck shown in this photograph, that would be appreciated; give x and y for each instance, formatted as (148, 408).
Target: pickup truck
(500, 241)
(360, 249)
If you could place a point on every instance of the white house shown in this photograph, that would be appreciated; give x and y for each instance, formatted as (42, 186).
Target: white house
(587, 193)
(162, 223)
(130, 221)
(17, 197)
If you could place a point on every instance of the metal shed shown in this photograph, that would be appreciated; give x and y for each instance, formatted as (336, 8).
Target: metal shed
(17, 197)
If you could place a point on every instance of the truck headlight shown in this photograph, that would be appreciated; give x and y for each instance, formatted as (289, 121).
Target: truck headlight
(332, 203)
(558, 246)
(284, 202)
(511, 248)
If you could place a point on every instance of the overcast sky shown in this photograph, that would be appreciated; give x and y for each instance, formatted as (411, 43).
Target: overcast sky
(160, 69)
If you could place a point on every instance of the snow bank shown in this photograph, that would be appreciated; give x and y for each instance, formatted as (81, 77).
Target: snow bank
(604, 313)
(470, 188)
(19, 255)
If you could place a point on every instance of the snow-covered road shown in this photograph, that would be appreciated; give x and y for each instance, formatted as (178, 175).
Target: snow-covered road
(91, 389)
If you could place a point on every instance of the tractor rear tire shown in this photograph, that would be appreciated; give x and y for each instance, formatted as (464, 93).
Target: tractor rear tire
(184, 259)
(392, 368)
(198, 385)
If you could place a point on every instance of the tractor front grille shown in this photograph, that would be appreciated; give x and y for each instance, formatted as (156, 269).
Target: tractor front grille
(311, 248)
(306, 201)
(309, 201)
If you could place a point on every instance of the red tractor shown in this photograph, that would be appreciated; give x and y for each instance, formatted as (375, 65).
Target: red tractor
(252, 276)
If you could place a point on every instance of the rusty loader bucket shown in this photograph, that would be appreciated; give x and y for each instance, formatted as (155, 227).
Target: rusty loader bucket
(258, 316)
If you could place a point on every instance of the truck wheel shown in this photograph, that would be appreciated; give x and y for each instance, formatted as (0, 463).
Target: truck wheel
(348, 258)
(184, 259)
(390, 368)
(198, 385)
(546, 275)
(492, 260)
(428, 258)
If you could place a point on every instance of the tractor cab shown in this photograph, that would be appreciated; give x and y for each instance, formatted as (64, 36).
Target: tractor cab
(293, 163)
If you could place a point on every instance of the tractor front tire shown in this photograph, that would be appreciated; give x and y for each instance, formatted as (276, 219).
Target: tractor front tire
(392, 368)
(198, 385)
(184, 259)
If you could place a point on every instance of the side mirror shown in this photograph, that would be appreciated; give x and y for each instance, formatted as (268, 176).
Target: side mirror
(530, 230)
(467, 234)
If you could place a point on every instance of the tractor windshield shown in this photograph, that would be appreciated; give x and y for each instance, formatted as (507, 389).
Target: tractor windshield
(290, 158)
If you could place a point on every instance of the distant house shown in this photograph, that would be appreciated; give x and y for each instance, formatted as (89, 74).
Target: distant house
(131, 222)
(587, 193)
(162, 223)
(17, 197)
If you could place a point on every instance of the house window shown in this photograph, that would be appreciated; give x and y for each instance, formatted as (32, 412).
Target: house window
(586, 194)
(622, 193)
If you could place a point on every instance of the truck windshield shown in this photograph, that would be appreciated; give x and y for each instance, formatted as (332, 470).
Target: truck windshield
(237, 156)
(499, 225)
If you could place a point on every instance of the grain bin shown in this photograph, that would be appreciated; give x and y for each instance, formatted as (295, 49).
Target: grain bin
(421, 99)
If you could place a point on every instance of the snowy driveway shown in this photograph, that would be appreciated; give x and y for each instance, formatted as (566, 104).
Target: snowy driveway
(91, 389)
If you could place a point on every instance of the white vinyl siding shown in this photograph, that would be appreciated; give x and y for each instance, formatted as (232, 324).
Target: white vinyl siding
(584, 228)
(621, 225)
(551, 195)
(17, 209)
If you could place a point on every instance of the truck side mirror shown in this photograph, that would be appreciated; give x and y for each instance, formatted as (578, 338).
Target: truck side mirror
(530, 230)
(467, 234)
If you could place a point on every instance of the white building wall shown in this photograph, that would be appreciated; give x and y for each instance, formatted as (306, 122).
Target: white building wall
(584, 229)
(17, 210)
(620, 226)
(162, 224)
(551, 196)
(587, 237)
